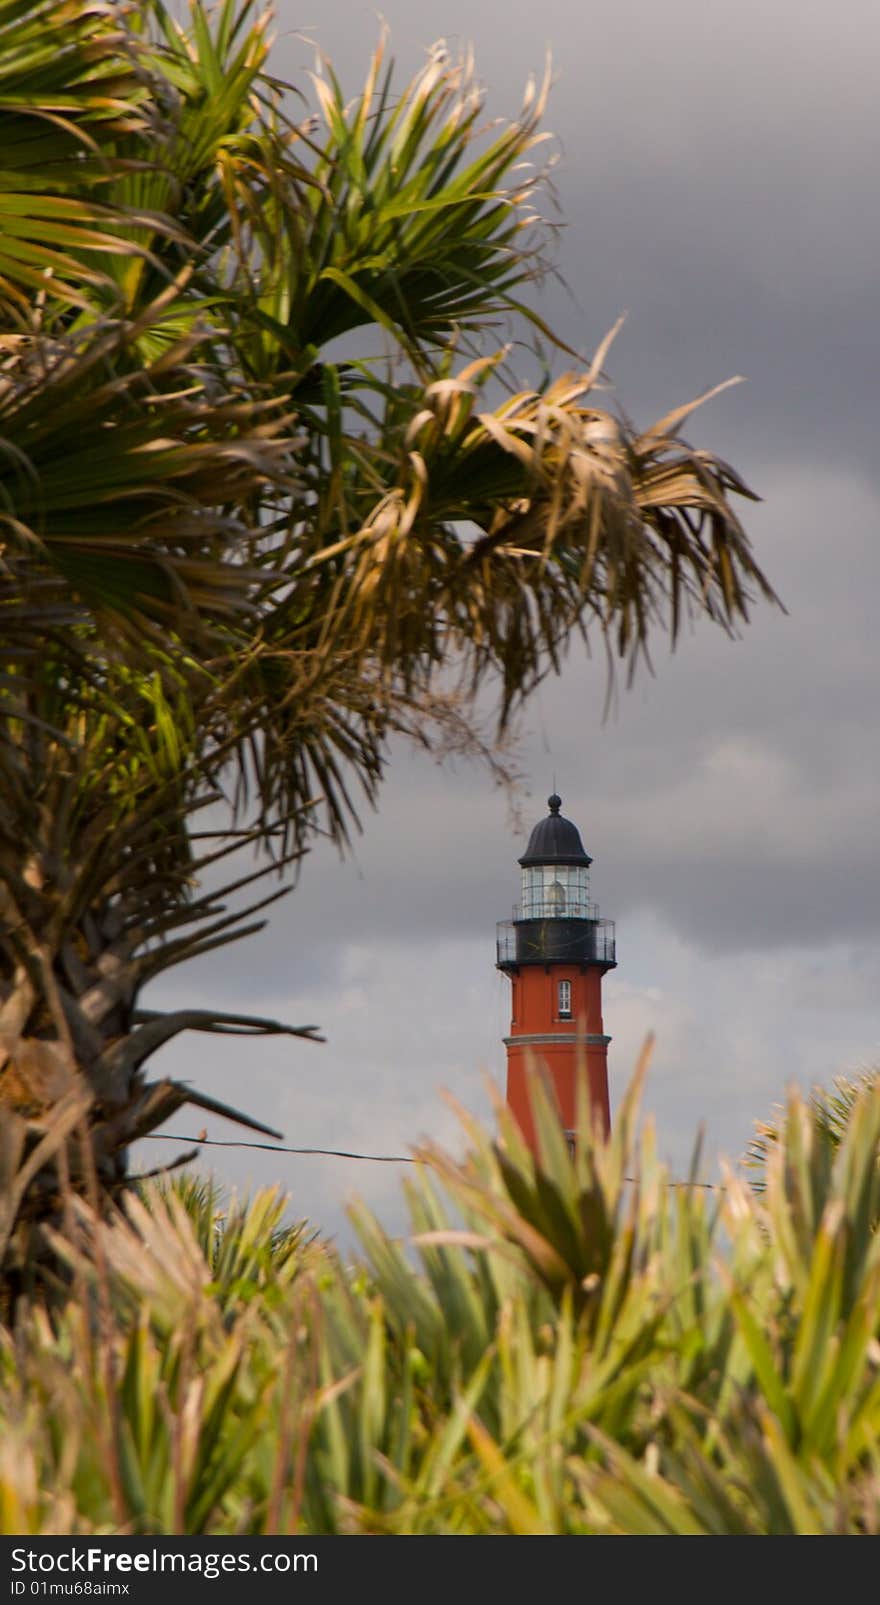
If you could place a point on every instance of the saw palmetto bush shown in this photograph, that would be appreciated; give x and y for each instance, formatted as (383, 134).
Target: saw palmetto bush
(832, 1108)
(575, 1346)
(233, 558)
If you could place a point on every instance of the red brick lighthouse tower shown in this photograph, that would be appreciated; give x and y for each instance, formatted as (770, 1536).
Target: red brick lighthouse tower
(556, 950)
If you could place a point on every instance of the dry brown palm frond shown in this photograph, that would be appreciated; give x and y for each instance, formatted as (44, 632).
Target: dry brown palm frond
(579, 521)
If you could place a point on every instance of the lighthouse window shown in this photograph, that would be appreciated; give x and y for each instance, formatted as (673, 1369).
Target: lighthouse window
(556, 891)
(564, 999)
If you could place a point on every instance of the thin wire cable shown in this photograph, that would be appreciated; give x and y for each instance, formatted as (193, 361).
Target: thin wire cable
(274, 1148)
(346, 1153)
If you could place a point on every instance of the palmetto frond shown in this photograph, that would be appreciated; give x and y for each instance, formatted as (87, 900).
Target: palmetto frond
(572, 1347)
(415, 219)
(289, 522)
(572, 521)
(132, 489)
(70, 86)
(831, 1109)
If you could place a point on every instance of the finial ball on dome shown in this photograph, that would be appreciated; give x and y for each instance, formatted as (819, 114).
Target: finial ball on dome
(554, 803)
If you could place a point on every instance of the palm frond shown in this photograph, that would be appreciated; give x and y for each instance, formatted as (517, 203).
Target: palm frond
(832, 1111)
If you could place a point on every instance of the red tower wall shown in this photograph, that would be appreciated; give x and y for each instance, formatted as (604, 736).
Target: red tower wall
(542, 1038)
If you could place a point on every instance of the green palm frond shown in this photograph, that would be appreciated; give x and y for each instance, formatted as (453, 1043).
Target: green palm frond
(70, 86)
(832, 1111)
(133, 488)
(402, 213)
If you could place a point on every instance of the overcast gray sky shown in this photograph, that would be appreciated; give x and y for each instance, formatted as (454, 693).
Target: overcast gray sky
(717, 176)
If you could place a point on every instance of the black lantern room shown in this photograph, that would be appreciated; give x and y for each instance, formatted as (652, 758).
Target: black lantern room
(555, 922)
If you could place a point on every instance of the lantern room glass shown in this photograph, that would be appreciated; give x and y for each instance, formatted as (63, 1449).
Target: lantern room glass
(556, 891)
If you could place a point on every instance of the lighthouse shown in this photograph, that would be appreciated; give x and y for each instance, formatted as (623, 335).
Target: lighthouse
(556, 950)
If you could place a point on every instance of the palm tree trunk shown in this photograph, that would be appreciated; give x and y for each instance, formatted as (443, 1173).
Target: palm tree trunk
(95, 901)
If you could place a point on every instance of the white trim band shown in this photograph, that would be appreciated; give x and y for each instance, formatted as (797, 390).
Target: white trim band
(534, 1039)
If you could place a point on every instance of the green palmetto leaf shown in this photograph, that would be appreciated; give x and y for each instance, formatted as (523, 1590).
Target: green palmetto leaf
(131, 512)
(832, 1109)
(640, 1502)
(446, 1391)
(408, 220)
(69, 83)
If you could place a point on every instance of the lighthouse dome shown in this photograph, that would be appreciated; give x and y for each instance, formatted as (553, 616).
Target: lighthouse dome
(555, 840)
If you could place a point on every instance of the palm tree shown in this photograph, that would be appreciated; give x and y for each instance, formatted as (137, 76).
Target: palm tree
(234, 560)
